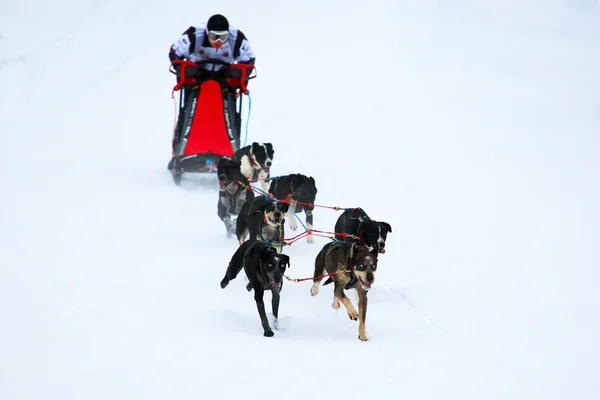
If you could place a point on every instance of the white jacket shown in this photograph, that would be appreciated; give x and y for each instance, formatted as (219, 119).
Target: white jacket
(193, 45)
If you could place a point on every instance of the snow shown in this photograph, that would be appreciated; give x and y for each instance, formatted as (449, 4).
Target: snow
(470, 126)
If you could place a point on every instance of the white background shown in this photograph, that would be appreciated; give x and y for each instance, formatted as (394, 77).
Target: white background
(470, 126)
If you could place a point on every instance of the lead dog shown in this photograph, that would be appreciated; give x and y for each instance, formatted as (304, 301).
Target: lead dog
(356, 222)
(232, 192)
(264, 268)
(256, 160)
(347, 262)
(300, 192)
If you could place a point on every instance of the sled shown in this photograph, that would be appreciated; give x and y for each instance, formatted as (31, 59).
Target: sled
(211, 124)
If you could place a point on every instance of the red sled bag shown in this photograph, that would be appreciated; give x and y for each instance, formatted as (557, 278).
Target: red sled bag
(210, 128)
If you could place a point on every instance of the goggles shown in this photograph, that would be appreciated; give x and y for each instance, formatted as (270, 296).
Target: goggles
(218, 36)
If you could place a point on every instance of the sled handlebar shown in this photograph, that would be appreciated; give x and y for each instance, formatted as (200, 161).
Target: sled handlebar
(194, 69)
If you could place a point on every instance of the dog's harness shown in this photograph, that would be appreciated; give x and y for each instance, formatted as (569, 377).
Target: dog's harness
(252, 159)
(358, 228)
(260, 231)
(349, 258)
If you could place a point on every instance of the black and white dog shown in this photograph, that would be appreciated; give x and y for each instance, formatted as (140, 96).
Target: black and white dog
(256, 161)
(232, 192)
(300, 191)
(264, 268)
(356, 222)
(263, 220)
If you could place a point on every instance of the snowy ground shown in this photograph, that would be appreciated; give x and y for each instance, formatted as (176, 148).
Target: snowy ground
(470, 126)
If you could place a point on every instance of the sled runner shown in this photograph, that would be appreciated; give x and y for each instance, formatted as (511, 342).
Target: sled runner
(209, 124)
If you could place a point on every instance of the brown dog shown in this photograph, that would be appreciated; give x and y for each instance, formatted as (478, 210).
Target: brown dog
(353, 267)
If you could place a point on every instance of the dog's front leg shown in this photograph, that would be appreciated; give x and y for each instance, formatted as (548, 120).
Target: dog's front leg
(292, 215)
(275, 307)
(309, 225)
(260, 304)
(362, 314)
(341, 296)
(264, 177)
(246, 167)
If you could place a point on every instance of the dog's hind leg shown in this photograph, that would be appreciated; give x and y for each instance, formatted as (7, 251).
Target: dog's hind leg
(235, 266)
(260, 305)
(241, 227)
(242, 237)
(318, 273)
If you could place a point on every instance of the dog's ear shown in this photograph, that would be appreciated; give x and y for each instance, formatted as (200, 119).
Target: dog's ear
(268, 207)
(359, 246)
(285, 260)
(255, 146)
(270, 151)
(222, 163)
(386, 226)
(283, 207)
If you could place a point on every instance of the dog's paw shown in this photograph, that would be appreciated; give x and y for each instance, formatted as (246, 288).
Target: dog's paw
(224, 283)
(275, 323)
(310, 238)
(314, 290)
(353, 315)
(269, 333)
(336, 304)
(363, 338)
(249, 286)
(293, 224)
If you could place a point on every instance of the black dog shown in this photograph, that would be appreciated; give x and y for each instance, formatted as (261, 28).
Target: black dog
(256, 161)
(302, 192)
(233, 192)
(264, 268)
(356, 222)
(263, 220)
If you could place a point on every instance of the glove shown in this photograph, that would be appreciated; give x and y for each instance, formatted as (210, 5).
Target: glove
(233, 72)
(177, 68)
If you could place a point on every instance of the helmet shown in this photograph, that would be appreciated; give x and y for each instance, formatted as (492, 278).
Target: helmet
(217, 23)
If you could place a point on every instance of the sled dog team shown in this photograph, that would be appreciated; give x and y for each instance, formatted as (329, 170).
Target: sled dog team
(350, 261)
